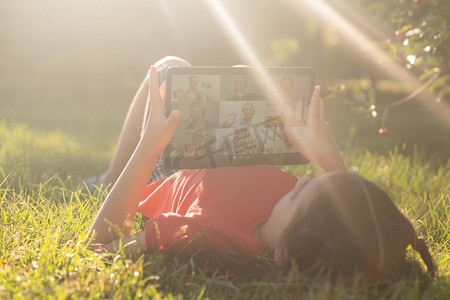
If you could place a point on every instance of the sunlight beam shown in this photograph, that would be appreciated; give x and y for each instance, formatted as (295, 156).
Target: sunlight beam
(172, 24)
(234, 34)
(242, 46)
(356, 38)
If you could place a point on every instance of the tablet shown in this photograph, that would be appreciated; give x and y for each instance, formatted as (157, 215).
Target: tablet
(236, 116)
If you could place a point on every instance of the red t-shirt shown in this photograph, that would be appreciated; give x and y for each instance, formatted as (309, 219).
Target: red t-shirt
(221, 206)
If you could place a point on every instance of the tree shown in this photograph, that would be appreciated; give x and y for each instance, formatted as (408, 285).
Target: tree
(420, 39)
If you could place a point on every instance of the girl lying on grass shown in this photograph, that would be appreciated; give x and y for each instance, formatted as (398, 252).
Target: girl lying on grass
(337, 223)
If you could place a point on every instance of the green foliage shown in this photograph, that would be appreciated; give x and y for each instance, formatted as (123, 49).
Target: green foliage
(415, 35)
(420, 38)
(355, 126)
(284, 49)
(42, 253)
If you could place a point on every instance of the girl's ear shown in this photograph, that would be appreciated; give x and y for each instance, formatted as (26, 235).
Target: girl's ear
(281, 256)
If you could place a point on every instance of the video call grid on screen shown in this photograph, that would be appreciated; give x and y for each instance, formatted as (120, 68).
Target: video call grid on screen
(235, 116)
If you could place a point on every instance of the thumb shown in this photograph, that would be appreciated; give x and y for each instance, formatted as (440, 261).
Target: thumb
(172, 121)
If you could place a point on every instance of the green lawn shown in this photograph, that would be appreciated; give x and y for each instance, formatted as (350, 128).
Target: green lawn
(46, 151)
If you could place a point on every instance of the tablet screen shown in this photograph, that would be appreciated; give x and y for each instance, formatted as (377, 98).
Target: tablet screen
(235, 116)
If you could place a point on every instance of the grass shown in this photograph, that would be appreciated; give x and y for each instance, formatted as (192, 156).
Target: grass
(45, 219)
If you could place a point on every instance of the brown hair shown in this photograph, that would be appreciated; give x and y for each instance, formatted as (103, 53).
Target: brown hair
(352, 226)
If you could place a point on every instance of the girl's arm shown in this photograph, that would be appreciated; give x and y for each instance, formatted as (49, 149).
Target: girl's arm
(118, 210)
(316, 143)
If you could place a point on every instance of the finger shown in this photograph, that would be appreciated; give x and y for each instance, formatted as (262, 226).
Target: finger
(321, 111)
(162, 91)
(313, 113)
(153, 93)
(172, 121)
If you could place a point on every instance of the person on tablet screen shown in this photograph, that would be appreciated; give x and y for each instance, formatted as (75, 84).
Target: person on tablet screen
(244, 143)
(196, 146)
(240, 92)
(337, 224)
(287, 89)
(197, 118)
(193, 93)
(288, 96)
(288, 116)
(248, 111)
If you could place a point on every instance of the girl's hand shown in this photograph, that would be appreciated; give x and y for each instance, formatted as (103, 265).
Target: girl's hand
(159, 129)
(317, 144)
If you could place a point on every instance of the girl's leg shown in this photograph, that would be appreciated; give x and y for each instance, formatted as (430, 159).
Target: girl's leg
(132, 127)
(129, 136)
